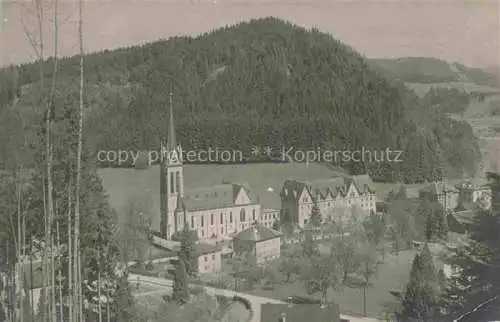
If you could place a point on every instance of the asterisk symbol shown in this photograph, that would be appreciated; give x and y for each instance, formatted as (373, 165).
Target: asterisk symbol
(255, 150)
(268, 150)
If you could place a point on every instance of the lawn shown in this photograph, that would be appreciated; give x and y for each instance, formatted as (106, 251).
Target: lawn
(421, 89)
(122, 184)
(392, 274)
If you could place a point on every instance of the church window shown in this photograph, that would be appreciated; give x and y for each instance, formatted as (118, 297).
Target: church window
(202, 221)
(221, 218)
(253, 214)
(177, 181)
(211, 219)
(172, 182)
(242, 214)
(231, 217)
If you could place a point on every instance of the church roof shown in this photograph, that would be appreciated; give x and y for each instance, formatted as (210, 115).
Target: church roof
(218, 196)
(257, 233)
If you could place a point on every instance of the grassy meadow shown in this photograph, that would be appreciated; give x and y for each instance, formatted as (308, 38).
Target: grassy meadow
(393, 274)
(480, 115)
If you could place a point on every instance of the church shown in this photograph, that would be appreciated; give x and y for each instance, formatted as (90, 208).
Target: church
(215, 213)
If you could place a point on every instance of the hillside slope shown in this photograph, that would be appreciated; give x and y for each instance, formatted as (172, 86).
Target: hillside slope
(261, 83)
(432, 70)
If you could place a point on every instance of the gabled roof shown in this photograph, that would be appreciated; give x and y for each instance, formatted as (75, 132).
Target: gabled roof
(438, 188)
(464, 217)
(325, 188)
(218, 196)
(201, 249)
(257, 233)
(363, 182)
(300, 312)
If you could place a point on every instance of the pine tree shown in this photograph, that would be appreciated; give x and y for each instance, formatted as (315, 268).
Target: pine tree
(186, 252)
(315, 218)
(180, 289)
(401, 194)
(124, 303)
(419, 302)
(309, 246)
(477, 263)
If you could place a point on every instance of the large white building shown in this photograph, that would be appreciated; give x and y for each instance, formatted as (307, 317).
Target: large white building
(331, 195)
(215, 212)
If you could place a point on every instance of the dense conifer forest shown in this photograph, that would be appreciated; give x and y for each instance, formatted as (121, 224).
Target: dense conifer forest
(259, 83)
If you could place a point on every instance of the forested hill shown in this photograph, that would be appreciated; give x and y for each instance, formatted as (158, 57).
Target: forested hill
(260, 83)
(432, 70)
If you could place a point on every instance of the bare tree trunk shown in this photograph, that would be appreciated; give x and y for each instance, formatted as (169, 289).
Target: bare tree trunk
(59, 277)
(77, 252)
(99, 308)
(45, 270)
(50, 148)
(19, 256)
(71, 297)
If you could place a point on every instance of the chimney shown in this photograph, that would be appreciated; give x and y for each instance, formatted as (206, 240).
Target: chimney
(282, 317)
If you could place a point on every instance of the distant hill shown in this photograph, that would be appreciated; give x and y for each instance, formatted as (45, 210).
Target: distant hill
(432, 70)
(260, 83)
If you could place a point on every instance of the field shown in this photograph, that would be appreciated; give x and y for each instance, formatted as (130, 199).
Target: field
(265, 180)
(479, 115)
(420, 89)
(393, 274)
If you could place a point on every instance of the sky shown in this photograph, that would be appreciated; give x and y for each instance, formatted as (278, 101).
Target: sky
(465, 31)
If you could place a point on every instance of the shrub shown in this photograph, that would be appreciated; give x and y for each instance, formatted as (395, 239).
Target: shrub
(195, 290)
(243, 301)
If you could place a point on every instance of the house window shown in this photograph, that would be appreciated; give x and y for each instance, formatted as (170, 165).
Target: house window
(192, 221)
(221, 218)
(211, 219)
(242, 214)
(202, 221)
(206, 258)
(231, 217)
(222, 230)
(213, 256)
(253, 214)
(202, 232)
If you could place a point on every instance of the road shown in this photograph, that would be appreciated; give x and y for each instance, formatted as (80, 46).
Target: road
(256, 301)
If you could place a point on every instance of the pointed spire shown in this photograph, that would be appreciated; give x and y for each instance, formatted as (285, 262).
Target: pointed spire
(171, 142)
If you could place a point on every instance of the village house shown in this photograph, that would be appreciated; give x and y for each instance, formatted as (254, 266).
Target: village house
(445, 194)
(298, 197)
(475, 191)
(259, 243)
(215, 213)
(269, 216)
(209, 258)
(300, 313)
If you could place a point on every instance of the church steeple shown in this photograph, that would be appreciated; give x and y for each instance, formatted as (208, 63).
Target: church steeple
(171, 142)
(172, 180)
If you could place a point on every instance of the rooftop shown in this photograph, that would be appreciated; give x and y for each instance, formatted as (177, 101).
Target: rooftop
(257, 233)
(201, 249)
(438, 188)
(300, 313)
(334, 186)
